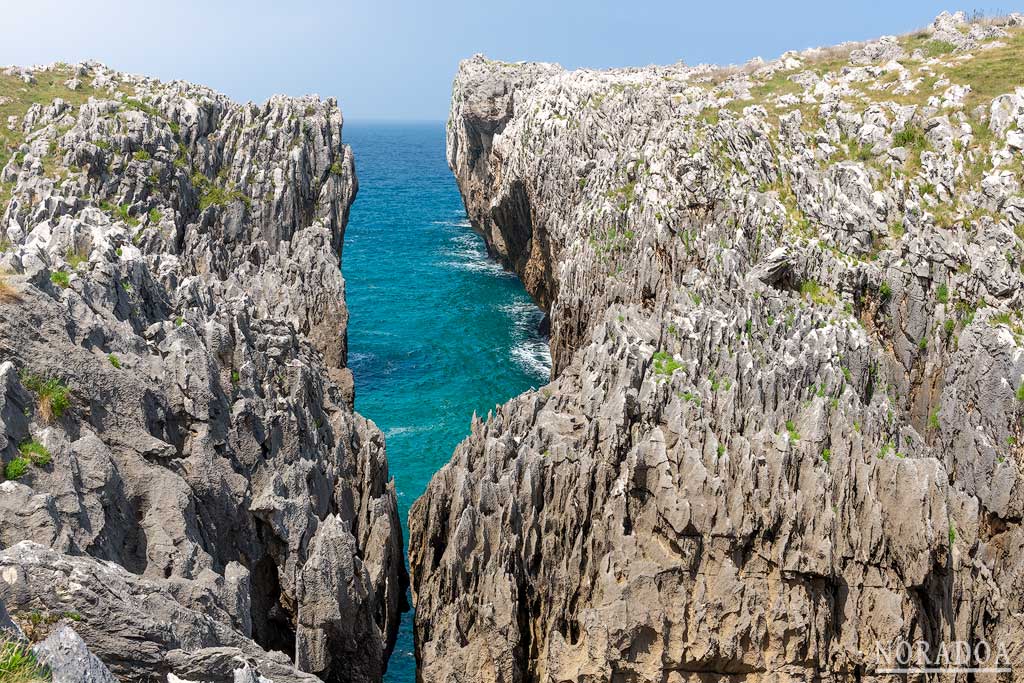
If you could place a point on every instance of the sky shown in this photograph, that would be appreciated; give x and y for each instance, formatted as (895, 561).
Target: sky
(395, 59)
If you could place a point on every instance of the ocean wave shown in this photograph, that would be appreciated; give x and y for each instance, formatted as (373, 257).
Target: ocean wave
(534, 357)
(524, 316)
(462, 223)
(479, 266)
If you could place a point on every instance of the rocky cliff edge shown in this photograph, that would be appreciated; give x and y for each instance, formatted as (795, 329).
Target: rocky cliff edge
(785, 422)
(185, 481)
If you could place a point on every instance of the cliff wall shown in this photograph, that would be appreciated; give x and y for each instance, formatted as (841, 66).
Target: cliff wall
(184, 472)
(784, 424)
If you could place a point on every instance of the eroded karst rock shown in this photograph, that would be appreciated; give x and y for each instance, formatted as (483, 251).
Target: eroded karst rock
(175, 408)
(785, 420)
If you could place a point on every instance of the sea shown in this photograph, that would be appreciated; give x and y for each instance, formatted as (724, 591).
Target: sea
(437, 330)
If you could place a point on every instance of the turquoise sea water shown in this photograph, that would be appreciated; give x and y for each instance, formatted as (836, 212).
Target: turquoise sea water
(436, 329)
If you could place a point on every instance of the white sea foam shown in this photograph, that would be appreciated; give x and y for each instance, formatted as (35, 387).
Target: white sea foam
(534, 357)
(464, 223)
(395, 431)
(468, 253)
(483, 265)
(531, 353)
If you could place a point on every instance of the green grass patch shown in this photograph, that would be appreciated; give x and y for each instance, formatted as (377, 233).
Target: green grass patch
(211, 194)
(61, 278)
(139, 105)
(36, 452)
(123, 212)
(791, 430)
(817, 293)
(992, 72)
(53, 396)
(912, 137)
(18, 664)
(76, 257)
(665, 364)
(16, 469)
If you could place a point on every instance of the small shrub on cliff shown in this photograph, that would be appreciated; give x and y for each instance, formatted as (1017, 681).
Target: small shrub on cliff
(337, 169)
(18, 664)
(794, 435)
(1020, 392)
(114, 360)
(76, 257)
(818, 294)
(60, 278)
(16, 468)
(123, 212)
(137, 105)
(36, 452)
(942, 294)
(141, 155)
(665, 364)
(211, 195)
(52, 396)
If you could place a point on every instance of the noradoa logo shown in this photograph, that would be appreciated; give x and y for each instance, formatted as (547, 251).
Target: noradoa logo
(920, 657)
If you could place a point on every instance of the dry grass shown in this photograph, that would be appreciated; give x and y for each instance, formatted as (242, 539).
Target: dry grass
(979, 17)
(8, 294)
(825, 59)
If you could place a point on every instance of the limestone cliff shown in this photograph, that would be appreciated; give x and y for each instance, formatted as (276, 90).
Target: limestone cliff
(184, 472)
(785, 420)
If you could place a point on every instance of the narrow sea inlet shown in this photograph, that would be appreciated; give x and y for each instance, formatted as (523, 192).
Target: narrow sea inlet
(437, 330)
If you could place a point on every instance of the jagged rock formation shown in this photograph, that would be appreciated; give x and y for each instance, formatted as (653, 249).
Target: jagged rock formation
(785, 421)
(182, 460)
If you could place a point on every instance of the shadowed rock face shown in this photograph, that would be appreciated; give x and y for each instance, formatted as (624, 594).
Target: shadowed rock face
(173, 259)
(784, 424)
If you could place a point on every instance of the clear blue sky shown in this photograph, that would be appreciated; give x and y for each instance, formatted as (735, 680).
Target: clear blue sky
(394, 59)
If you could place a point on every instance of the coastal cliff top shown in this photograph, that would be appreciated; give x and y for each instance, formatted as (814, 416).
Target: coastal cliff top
(181, 458)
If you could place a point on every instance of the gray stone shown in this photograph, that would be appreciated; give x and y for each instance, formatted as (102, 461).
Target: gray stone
(69, 660)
